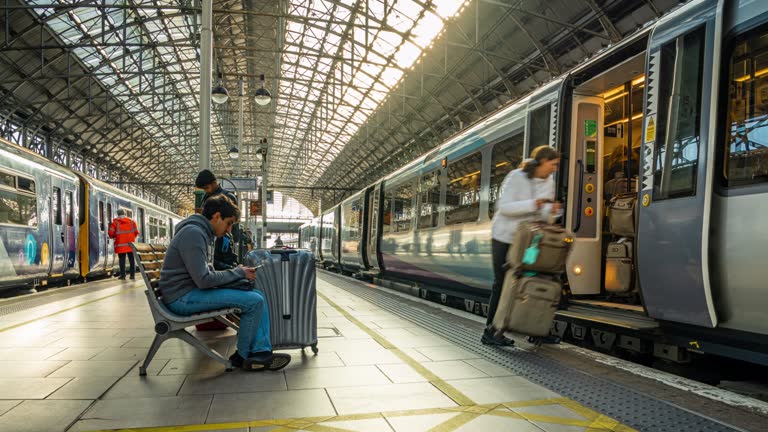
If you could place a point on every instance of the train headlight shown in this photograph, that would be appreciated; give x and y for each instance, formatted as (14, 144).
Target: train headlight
(577, 270)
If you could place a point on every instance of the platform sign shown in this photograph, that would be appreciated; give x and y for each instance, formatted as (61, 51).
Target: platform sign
(241, 184)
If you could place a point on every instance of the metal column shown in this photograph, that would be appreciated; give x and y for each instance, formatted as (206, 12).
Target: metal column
(206, 58)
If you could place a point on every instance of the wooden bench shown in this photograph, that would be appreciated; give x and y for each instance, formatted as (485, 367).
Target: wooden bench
(168, 325)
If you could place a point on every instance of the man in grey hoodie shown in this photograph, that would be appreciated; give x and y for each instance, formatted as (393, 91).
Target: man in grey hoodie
(190, 285)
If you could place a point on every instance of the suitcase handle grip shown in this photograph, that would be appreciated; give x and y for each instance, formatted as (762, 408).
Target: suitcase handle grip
(283, 252)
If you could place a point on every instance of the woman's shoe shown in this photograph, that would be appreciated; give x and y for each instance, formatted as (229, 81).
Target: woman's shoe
(489, 338)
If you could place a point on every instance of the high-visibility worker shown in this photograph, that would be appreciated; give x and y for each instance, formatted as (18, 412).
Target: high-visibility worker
(124, 231)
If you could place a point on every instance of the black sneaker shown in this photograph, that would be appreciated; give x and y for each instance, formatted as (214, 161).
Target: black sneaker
(489, 339)
(237, 360)
(267, 360)
(121, 277)
(133, 277)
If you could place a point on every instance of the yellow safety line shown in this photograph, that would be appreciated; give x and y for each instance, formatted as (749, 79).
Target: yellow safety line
(68, 309)
(447, 389)
(455, 422)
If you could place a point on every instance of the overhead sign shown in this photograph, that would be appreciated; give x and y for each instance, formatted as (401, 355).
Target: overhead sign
(241, 184)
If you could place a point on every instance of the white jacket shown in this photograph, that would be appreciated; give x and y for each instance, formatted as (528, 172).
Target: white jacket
(516, 202)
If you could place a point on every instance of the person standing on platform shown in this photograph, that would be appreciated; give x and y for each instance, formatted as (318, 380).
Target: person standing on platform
(224, 257)
(123, 231)
(525, 193)
(278, 242)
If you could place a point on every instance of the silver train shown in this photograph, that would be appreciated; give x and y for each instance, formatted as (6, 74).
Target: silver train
(54, 221)
(681, 109)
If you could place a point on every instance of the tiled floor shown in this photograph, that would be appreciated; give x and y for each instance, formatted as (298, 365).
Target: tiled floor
(73, 366)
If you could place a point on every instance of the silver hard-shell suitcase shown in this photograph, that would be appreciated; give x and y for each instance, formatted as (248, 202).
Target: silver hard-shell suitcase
(287, 279)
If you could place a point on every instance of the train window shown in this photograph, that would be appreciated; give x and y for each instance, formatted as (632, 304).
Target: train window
(429, 192)
(68, 203)
(7, 180)
(153, 229)
(505, 157)
(56, 205)
(25, 184)
(462, 195)
(163, 231)
(17, 207)
(746, 152)
(677, 129)
(352, 214)
(540, 131)
(402, 207)
(101, 215)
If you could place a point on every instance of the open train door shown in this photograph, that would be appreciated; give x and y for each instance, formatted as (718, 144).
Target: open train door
(675, 195)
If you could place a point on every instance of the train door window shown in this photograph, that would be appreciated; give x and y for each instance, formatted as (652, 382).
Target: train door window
(68, 203)
(402, 207)
(109, 213)
(679, 117)
(101, 215)
(163, 231)
(386, 214)
(746, 150)
(540, 132)
(56, 206)
(142, 227)
(505, 157)
(462, 195)
(429, 193)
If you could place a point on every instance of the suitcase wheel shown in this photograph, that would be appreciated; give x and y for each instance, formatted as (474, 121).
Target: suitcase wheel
(314, 349)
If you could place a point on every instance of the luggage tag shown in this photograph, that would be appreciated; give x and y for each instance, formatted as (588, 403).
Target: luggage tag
(532, 253)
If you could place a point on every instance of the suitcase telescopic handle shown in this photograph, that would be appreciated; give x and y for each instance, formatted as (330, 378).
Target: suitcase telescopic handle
(285, 267)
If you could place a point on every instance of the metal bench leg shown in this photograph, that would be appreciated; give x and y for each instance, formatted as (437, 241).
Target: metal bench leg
(205, 349)
(151, 353)
(229, 322)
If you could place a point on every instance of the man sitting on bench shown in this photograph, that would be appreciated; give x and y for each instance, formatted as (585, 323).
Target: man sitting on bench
(190, 285)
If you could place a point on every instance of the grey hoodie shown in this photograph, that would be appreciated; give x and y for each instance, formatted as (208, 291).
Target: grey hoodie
(187, 264)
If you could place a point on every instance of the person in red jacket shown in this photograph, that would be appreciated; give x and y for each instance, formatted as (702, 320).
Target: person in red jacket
(124, 231)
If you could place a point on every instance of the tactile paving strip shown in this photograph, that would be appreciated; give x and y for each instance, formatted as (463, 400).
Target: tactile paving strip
(637, 410)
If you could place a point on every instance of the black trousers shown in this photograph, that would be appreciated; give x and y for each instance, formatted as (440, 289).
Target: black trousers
(499, 256)
(121, 259)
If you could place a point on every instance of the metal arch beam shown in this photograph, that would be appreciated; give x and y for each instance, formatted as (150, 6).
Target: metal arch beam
(550, 61)
(613, 34)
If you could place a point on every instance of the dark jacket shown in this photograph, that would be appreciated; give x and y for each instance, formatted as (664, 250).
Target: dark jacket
(224, 256)
(186, 265)
(221, 190)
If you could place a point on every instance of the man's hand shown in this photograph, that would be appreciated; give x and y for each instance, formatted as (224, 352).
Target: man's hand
(556, 206)
(250, 272)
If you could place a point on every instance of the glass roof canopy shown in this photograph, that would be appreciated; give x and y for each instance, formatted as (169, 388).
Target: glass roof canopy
(336, 72)
(340, 60)
(141, 56)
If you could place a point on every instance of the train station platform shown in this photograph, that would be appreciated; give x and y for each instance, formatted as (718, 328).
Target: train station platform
(69, 362)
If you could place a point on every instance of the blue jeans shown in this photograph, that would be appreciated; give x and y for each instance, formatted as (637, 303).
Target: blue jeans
(254, 319)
